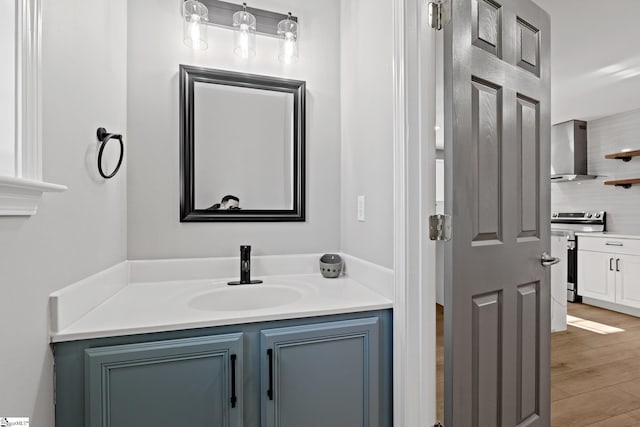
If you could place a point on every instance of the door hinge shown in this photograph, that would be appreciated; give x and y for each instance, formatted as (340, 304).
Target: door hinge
(440, 227)
(439, 14)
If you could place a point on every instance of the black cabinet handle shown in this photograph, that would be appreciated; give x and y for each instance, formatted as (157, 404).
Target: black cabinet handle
(618, 264)
(234, 398)
(610, 264)
(270, 390)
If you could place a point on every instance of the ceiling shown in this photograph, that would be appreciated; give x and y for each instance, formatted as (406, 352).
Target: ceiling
(595, 57)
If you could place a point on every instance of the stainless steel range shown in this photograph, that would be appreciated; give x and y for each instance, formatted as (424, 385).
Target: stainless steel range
(564, 243)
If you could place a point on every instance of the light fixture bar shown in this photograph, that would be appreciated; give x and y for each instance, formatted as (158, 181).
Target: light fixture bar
(221, 15)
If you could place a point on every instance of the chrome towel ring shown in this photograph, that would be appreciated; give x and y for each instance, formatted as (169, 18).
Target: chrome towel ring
(104, 137)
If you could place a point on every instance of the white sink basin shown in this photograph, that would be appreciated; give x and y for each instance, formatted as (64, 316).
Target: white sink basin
(247, 297)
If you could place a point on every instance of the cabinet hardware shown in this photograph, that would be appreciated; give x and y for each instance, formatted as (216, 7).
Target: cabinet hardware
(618, 264)
(234, 398)
(619, 244)
(270, 390)
(610, 264)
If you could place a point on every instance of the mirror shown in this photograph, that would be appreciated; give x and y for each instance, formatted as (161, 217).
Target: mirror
(242, 146)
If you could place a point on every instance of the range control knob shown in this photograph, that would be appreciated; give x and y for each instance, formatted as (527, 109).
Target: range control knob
(555, 215)
(589, 215)
(598, 215)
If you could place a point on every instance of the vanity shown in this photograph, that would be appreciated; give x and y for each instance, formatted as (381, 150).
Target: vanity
(170, 342)
(297, 350)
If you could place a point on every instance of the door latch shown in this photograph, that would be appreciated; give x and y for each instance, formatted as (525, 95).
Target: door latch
(439, 14)
(440, 227)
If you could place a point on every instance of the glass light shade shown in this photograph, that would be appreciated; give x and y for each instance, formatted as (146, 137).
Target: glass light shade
(245, 34)
(195, 16)
(288, 32)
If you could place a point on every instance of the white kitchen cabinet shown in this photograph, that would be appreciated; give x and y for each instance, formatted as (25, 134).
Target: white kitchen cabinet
(628, 280)
(609, 271)
(597, 275)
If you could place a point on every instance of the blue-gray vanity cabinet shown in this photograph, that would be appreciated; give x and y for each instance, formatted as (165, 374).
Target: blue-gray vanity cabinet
(189, 382)
(321, 375)
(337, 369)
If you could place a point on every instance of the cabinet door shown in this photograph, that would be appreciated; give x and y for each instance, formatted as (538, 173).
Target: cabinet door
(187, 382)
(321, 375)
(597, 275)
(628, 280)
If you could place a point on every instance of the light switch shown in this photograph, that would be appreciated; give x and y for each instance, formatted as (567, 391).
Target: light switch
(361, 216)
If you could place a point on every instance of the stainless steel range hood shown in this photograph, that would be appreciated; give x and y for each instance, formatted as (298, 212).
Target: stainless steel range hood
(569, 152)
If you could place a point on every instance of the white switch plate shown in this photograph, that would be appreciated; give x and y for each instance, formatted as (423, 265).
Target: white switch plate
(361, 216)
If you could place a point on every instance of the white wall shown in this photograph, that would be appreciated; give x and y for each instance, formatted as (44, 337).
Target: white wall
(7, 87)
(76, 233)
(155, 52)
(606, 136)
(367, 128)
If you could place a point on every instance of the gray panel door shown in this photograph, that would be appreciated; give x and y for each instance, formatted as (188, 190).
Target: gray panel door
(321, 375)
(185, 382)
(497, 296)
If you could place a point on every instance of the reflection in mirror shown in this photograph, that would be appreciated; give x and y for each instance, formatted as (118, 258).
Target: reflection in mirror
(242, 148)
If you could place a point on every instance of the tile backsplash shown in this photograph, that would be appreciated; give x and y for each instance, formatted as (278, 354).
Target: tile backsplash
(606, 136)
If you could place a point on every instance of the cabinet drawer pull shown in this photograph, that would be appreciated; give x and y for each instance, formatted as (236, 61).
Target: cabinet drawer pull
(619, 244)
(270, 390)
(618, 264)
(610, 264)
(234, 398)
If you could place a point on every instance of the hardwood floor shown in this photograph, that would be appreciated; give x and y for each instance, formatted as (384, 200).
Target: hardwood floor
(595, 378)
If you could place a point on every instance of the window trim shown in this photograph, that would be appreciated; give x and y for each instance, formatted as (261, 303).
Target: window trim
(21, 194)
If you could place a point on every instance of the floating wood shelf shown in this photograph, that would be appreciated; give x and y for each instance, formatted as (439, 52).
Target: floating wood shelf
(625, 156)
(624, 183)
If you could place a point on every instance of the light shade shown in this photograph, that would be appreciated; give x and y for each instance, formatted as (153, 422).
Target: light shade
(288, 32)
(244, 24)
(195, 16)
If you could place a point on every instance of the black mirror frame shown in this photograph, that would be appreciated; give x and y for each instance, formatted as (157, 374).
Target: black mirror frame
(190, 75)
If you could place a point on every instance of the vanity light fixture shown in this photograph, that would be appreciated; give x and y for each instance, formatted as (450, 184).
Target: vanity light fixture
(244, 24)
(195, 16)
(288, 32)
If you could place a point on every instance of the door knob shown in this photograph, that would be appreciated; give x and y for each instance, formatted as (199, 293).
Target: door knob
(547, 260)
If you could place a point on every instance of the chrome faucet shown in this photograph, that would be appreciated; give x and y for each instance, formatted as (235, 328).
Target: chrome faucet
(245, 268)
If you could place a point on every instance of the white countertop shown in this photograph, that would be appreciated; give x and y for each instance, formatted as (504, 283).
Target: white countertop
(114, 308)
(155, 307)
(609, 235)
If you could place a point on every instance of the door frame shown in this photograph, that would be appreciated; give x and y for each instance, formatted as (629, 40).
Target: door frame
(414, 330)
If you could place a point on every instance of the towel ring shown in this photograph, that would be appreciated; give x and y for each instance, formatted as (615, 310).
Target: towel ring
(104, 137)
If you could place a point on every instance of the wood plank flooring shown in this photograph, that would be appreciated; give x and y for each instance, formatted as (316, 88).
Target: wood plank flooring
(595, 378)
